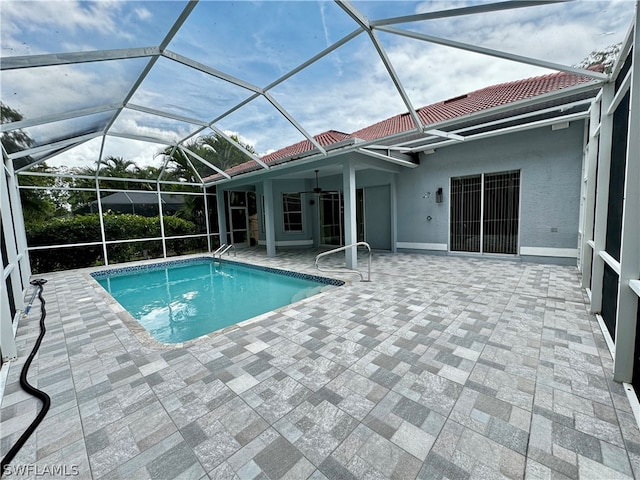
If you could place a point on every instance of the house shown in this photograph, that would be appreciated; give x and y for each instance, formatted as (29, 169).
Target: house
(452, 189)
(140, 203)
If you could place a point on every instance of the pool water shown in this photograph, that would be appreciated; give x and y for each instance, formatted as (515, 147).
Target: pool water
(176, 302)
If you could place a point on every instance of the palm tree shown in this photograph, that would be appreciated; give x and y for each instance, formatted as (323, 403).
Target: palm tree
(215, 149)
(222, 153)
(120, 168)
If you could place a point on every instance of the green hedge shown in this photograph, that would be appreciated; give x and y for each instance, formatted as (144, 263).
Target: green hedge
(86, 228)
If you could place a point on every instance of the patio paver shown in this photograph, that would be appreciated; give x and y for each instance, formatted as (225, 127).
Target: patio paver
(441, 367)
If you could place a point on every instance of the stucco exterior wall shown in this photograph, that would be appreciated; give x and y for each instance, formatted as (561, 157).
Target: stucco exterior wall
(550, 164)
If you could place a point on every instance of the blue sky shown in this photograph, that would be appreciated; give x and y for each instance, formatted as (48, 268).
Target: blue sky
(258, 42)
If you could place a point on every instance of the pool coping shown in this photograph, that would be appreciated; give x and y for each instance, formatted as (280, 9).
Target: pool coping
(148, 340)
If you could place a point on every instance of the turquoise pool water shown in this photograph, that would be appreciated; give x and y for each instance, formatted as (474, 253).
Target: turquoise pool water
(180, 301)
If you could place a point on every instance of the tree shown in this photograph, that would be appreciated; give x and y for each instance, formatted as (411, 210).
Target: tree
(37, 204)
(15, 140)
(223, 153)
(214, 148)
(118, 167)
(42, 203)
(606, 57)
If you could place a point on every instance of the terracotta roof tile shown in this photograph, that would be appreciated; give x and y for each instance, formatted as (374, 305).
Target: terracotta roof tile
(455, 107)
(326, 138)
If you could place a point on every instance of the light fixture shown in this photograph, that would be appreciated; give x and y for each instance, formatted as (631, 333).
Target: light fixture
(439, 195)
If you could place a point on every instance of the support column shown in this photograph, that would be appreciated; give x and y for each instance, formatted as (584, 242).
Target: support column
(269, 227)
(590, 168)
(393, 198)
(350, 225)
(630, 247)
(7, 339)
(222, 215)
(602, 198)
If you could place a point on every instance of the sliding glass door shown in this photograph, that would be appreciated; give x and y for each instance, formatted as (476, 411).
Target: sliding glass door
(484, 215)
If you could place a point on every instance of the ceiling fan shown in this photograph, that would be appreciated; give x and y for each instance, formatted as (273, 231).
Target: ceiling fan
(317, 190)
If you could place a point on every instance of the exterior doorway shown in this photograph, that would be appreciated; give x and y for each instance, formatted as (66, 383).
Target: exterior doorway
(484, 215)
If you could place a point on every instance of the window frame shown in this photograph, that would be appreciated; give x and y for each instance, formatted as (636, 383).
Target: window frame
(287, 212)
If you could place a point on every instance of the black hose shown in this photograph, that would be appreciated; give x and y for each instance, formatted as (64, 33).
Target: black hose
(27, 387)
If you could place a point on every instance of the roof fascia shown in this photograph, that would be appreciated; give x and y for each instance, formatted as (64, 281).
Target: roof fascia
(558, 108)
(545, 97)
(8, 127)
(506, 130)
(495, 53)
(456, 12)
(51, 59)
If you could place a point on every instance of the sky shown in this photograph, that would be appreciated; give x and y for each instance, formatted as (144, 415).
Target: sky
(259, 43)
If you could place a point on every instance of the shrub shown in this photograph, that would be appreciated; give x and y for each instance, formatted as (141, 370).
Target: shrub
(86, 228)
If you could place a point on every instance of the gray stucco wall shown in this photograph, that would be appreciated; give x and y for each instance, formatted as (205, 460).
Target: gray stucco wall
(550, 164)
(364, 179)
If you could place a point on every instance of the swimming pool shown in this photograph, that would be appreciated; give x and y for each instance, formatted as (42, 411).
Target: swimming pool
(181, 300)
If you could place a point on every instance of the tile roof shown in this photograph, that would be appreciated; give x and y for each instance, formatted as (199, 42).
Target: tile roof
(455, 107)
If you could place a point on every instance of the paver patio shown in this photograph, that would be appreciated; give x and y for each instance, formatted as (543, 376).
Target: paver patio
(441, 367)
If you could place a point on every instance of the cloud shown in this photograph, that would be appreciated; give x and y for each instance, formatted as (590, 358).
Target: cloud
(28, 30)
(347, 90)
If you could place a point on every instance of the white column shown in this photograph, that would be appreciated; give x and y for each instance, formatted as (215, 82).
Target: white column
(206, 216)
(591, 164)
(394, 213)
(269, 227)
(161, 215)
(222, 215)
(7, 340)
(602, 198)
(350, 226)
(21, 234)
(630, 247)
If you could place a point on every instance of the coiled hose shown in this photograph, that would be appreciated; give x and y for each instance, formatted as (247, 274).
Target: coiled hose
(27, 387)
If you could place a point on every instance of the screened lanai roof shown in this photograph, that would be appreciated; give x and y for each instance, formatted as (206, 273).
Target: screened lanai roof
(86, 80)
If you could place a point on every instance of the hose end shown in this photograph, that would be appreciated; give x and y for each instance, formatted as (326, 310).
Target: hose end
(38, 281)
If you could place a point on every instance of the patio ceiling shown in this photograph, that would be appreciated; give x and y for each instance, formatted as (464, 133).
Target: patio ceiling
(156, 74)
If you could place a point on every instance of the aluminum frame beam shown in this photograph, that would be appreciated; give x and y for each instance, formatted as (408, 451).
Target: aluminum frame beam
(456, 12)
(51, 59)
(494, 53)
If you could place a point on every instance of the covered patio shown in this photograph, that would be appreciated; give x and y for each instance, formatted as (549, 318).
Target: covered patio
(442, 367)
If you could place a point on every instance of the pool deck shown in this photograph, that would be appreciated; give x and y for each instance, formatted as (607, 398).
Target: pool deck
(441, 367)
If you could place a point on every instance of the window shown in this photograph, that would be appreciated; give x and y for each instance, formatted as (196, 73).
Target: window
(292, 212)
